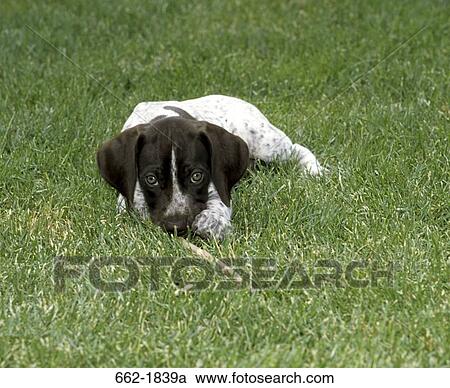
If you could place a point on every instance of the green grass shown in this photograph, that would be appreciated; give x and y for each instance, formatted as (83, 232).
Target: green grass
(386, 198)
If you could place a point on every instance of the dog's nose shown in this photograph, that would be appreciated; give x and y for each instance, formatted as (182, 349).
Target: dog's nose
(173, 225)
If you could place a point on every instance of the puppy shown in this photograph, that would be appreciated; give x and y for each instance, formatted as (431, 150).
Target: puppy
(177, 162)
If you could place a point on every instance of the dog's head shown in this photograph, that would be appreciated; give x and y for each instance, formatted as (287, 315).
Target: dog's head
(174, 159)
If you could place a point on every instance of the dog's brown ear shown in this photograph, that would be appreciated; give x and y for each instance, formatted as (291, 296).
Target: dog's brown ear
(229, 158)
(116, 160)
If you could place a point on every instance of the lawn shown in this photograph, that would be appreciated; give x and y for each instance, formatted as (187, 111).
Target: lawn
(364, 84)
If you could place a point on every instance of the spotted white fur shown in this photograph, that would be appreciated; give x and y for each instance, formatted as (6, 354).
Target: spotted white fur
(265, 142)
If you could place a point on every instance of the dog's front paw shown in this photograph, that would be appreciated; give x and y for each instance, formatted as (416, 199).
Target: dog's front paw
(212, 224)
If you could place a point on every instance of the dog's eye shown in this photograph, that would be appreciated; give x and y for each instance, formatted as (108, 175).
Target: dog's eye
(196, 177)
(151, 180)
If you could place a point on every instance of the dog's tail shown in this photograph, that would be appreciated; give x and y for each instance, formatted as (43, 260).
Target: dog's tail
(181, 112)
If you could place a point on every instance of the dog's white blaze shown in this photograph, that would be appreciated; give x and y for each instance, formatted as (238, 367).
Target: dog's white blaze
(179, 201)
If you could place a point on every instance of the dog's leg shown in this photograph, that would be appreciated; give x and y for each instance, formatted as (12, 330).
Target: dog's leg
(215, 220)
(306, 159)
(267, 142)
(275, 144)
(121, 204)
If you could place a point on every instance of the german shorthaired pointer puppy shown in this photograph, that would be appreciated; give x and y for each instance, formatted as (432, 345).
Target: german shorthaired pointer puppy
(176, 162)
